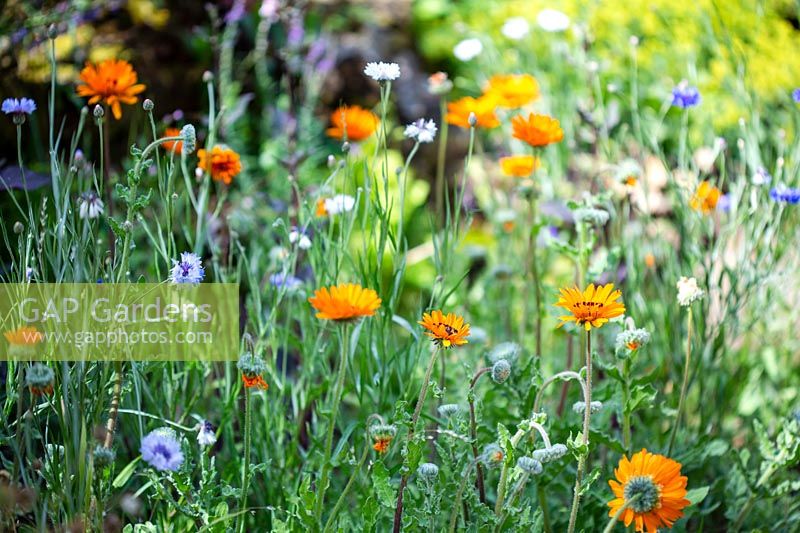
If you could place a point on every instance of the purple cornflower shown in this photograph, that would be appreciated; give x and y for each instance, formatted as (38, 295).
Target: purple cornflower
(285, 280)
(685, 96)
(789, 195)
(188, 270)
(796, 96)
(724, 203)
(161, 450)
(18, 107)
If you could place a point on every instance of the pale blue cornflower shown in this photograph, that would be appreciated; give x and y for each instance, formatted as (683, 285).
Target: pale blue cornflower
(685, 96)
(796, 96)
(18, 108)
(287, 281)
(161, 450)
(188, 270)
(381, 71)
(421, 131)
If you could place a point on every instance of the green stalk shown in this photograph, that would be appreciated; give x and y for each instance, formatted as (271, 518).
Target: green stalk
(614, 519)
(473, 432)
(441, 157)
(573, 515)
(685, 384)
(626, 415)
(337, 398)
(248, 424)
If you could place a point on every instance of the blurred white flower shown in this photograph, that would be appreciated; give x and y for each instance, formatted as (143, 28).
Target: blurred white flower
(468, 49)
(382, 71)
(340, 203)
(688, 291)
(552, 20)
(422, 131)
(206, 436)
(516, 28)
(761, 177)
(90, 205)
(300, 238)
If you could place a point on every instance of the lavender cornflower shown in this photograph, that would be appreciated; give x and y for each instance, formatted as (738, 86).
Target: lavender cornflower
(761, 177)
(288, 281)
(382, 71)
(796, 96)
(782, 193)
(161, 450)
(18, 107)
(90, 205)
(685, 96)
(188, 270)
(422, 131)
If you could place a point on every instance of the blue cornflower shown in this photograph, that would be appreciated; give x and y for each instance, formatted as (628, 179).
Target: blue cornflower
(285, 280)
(685, 96)
(789, 195)
(18, 108)
(796, 96)
(188, 270)
(724, 203)
(161, 450)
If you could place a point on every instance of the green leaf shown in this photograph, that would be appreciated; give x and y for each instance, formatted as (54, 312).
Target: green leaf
(697, 495)
(382, 485)
(125, 474)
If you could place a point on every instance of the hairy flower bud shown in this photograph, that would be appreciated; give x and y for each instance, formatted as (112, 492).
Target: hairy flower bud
(148, 104)
(580, 407)
(501, 370)
(98, 111)
(530, 465)
(449, 409)
(189, 136)
(428, 471)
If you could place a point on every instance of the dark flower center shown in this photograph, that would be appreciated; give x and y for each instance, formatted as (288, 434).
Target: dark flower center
(647, 491)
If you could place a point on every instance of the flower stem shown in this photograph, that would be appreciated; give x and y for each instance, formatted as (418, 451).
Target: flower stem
(398, 512)
(685, 384)
(337, 399)
(441, 157)
(626, 415)
(587, 392)
(473, 432)
(501, 485)
(614, 519)
(113, 410)
(248, 423)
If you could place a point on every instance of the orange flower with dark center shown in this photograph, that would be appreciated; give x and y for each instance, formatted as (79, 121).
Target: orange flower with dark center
(653, 488)
(172, 146)
(513, 90)
(445, 330)
(537, 130)
(222, 163)
(345, 302)
(24, 336)
(458, 112)
(382, 444)
(705, 198)
(519, 166)
(592, 307)
(254, 381)
(352, 123)
(41, 391)
(112, 82)
(321, 209)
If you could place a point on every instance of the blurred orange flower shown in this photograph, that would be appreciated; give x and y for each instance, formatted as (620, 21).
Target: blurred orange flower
(112, 82)
(254, 381)
(519, 166)
(352, 123)
(173, 146)
(458, 112)
(345, 302)
(513, 90)
(222, 163)
(705, 197)
(537, 130)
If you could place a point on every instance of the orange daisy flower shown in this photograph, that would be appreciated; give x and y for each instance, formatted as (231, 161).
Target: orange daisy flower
(172, 146)
(537, 130)
(382, 444)
(513, 90)
(112, 82)
(458, 112)
(592, 307)
(254, 381)
(658, 486)
(321, 209)
(352, 123)
(705, 198)
(222, 163)
(445, 330)
(345, 302)
(519, 166)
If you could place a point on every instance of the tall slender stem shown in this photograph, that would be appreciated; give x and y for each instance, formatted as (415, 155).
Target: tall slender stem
(398, 512)
(441, 157)
(626, 415)
(614, 519)
(248, 423)
(576, 497)
(473, 432)
(337, 399)
(685, 384)
(111, 425)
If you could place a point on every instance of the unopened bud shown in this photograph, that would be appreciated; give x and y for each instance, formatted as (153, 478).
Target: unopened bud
(18, 227)
(98, 111)
(501, 370)
(148, 104)
(208, 76)
(473, 119)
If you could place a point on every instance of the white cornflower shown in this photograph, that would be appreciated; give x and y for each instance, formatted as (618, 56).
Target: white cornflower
(301, 239)
(382, 71)
(188, 270)
(761, 177)
(341, 203)
(206, 435)
(422, 131)
(90, 205)
(468, 49)
(516, 28)
(688, 291)
(552, 20)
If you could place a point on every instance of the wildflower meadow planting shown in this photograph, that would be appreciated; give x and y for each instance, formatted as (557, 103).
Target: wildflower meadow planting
(326, 266)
